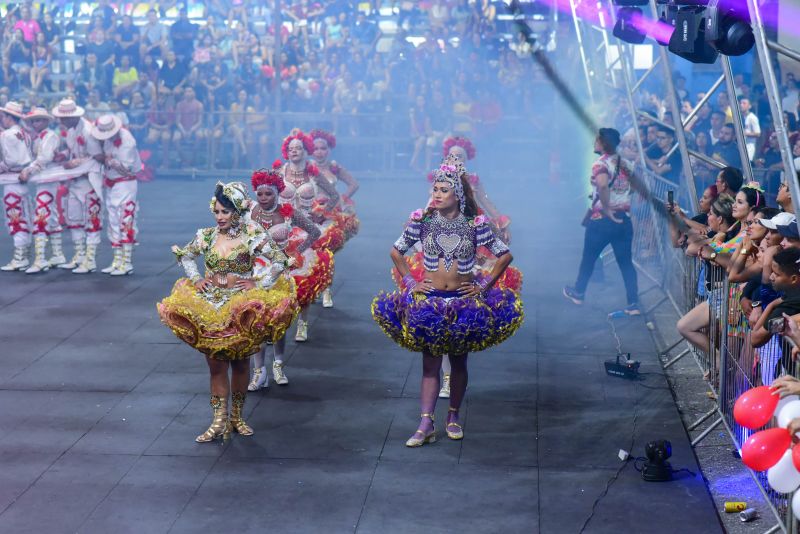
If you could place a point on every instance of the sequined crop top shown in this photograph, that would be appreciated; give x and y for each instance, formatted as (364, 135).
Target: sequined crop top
(240, 261)
(451, 239)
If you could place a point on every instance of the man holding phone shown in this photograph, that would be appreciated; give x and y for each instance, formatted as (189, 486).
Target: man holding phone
(785, 278)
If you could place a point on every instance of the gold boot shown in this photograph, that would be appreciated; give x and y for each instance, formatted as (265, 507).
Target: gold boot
(220, 426)
(237, 405)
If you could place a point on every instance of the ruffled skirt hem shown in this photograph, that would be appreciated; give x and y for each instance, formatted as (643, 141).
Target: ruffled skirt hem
(455, 325)
(238, 328)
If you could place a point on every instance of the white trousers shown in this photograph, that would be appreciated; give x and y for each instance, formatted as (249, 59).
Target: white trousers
(45, 217)
(84, 212)
(17, 207)
(122, 208)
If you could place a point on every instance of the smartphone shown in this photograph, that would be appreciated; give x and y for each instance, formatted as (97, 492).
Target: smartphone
(777, 325)
(671, 200)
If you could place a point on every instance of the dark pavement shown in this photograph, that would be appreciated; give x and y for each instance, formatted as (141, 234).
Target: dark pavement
(101, 403)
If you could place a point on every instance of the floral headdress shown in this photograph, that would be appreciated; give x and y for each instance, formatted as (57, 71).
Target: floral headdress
(463, 142)
(308, 142)
(269, 177)
(235, 192)
(329, 138)
(450, 172)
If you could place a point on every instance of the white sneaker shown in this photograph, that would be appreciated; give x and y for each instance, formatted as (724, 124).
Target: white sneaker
(278, 374)
(260, 379)
(444, 393)
(327, 299)
(302, 331)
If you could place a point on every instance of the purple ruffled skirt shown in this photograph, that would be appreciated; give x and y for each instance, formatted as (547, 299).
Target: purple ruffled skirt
(442, 322)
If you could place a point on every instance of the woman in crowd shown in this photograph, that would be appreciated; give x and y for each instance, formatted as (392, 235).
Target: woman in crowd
(332, 171)
(727, 219)
(451, 311)
(722, 226)
(241, 302)
(294, 233)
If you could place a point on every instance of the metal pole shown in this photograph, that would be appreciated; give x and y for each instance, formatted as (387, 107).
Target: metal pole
(703, 100)
(680, 134)
(277, 26)
(738, 123)
(586, 73)
(773, 94)
(646, 74)
(788, 52)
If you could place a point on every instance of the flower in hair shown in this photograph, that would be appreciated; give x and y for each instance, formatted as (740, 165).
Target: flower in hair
(329, 138)
(754, 185)
(308, 143)
(277, 164)
(416, 215)
(462, 142)
(431, 177)
(268, 178)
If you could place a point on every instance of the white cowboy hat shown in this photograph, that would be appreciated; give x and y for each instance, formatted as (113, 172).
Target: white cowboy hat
(13, 108)
(106, 127)
(38, 113)
(67, 108)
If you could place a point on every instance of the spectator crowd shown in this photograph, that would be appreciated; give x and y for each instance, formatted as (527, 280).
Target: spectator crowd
(710, 132)
(185, 75)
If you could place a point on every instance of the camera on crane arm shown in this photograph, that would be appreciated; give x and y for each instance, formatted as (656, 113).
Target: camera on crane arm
(696, 30)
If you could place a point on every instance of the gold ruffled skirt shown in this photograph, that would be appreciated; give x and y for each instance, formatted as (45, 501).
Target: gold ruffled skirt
(237, 329)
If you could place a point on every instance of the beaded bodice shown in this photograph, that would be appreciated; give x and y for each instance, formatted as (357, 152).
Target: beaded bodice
(237, 261)
(449, 239)
(296, 178)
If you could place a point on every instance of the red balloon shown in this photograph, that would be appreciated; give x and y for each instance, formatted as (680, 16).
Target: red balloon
(754, 408)
(796, 456)
(764, 449)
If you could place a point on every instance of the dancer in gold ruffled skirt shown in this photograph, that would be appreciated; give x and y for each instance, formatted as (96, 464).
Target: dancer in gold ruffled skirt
(244, 300)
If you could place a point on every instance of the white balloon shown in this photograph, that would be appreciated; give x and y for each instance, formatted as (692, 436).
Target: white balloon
(783, 402)
(796, 504)
(790, 410)
(783, 477)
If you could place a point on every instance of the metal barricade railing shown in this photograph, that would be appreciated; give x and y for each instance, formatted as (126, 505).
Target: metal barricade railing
(743, 367)
(730, 365)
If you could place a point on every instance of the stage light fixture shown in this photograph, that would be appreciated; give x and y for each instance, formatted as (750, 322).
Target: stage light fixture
(728, 31)
(657, 468)
(688, 40)
(625, 27)
(667, 15)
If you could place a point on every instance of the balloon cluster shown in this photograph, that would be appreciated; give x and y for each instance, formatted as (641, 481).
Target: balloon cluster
(769, 450)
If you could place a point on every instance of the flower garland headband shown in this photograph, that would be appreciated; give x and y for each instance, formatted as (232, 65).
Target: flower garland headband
(298, 135)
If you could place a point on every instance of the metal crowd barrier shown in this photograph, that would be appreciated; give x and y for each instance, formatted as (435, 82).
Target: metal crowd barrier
(731, 366)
